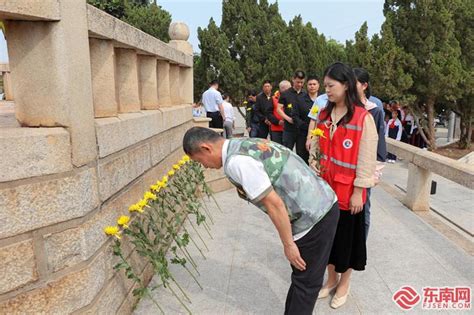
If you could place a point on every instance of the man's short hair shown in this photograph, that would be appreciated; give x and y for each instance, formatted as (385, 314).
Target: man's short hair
(299, 74)
(267, 82)
(312, 77)
(213, 82)
(195, 136)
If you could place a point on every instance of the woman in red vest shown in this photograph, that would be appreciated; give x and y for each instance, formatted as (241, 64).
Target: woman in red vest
(349, 150)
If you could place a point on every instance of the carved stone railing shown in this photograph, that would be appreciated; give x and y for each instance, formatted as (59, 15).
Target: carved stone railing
(421, 164)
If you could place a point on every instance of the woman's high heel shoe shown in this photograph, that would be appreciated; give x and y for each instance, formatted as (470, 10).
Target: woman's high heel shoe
(324, 292)
(337, 301)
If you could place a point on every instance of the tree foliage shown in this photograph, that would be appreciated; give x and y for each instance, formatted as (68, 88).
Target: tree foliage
(423, 56)
(143, 14)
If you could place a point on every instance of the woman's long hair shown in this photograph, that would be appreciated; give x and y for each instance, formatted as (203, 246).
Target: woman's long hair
(363, 77)
(345, 75)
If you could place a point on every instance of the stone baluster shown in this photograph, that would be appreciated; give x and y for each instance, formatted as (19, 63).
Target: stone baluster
(147, 76)
(103, 77)
(163, 81)
(126, 65)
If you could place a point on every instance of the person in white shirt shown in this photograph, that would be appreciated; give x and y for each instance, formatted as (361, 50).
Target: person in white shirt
(212, 101)
(229, 122)
(394, 130)
(301, 205)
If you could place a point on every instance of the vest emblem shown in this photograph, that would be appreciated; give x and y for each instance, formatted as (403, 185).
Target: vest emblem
(347, 143)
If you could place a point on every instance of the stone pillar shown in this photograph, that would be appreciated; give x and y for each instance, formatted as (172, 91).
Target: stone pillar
(186, 85)
(148, 82)
(179, 34)
(7, 86)
(51, 78)
(452, 119)
(175, 85)
(127, 80)
(103, 77)
(163, 80)
(418, 188)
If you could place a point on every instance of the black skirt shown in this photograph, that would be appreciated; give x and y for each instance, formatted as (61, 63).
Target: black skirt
(349, 249)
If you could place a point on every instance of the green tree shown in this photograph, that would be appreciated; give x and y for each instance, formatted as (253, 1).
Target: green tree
(360, 53)
(464, 106)
(146, 16)
(425, 29)
(390, 78)
(216, 61)
(151, 19)
(113, 7)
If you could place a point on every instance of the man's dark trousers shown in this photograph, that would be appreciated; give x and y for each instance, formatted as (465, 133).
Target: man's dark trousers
(277, 136)
(301, 147)
(289, 138)
(263, 130)
(315, 248)
(216, 121)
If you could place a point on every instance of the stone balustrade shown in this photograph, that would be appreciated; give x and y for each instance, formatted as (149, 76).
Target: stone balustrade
(103, 108)
(421, 164)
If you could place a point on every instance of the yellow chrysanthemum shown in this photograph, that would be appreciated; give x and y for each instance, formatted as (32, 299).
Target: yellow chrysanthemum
(186, 158)
(314, 110)
(149, 196)
(112, 231)
(164, 179)
(123, 220)
(171, 173)
(136, 208)
(181, 163)
(176, 167)
(317, 133)
(143, 203)
(155, 187)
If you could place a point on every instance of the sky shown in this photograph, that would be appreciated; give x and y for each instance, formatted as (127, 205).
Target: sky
(337, 19)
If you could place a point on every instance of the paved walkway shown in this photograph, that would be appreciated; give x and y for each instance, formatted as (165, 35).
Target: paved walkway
(246, 272)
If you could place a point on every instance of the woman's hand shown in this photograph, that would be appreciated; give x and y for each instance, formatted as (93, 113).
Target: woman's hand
(356, 205)
(308, 144)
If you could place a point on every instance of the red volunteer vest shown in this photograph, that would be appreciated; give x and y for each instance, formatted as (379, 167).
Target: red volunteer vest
(340, 155)
(275, 113)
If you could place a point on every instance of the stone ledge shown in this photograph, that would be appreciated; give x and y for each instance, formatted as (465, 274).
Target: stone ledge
(117, 133)
(44, 10)
(33, 205)
(176, 115)
(62, 296)
(30, 152)
(103, 25)
(459, 172)
(17, 266)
